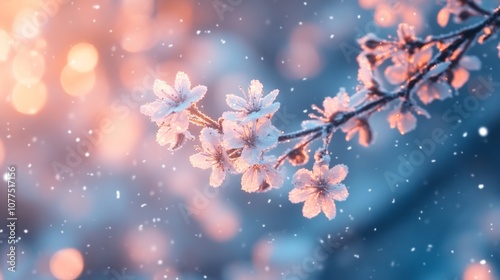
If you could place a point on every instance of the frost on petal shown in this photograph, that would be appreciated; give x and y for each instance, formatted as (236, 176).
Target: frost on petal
(407, 122)
(174, 140)
(209, 139)
(252, 179)
(404, 122)
(182, 82)
(269, 99)
(152, 108)
(163, 90)
(431, 91)
(443, 17)
(328, 207)
(197, 93)
(460, 77)
(338, 192)
(232, 135)
(337, 173)
(298, 195)
(303, 178)
(256, 88)
(201, 160)
(235, 102)
(470, 62)
(217, 177)
(312, 206)
(396, 74)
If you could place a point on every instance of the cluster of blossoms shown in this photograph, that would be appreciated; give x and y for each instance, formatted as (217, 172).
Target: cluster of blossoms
(240, 141)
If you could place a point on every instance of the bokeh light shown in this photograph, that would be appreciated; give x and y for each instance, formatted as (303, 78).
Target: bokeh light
(28, 67)
(29, 99)
(66, 264)
(83, 57)
(5, 42)
(77, 83)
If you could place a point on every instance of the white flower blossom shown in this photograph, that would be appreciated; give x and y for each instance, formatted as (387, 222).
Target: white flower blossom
(213, 156)
(253, 138)
(261, 176)
(172, 99)
(331, 107)
(319, 189)
(253, 106)
(173, 131)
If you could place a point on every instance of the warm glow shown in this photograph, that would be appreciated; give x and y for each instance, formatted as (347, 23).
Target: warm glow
(29, 99)
(77, 83)
(478, 272)
(146, 246)
(28, 67)
(219, 220)
(4, 46)
(66, 264)
(2, 157)
(83, 57)
(384, 15)
(119, 129)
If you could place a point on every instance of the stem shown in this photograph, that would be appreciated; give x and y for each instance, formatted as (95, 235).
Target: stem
(199, 117)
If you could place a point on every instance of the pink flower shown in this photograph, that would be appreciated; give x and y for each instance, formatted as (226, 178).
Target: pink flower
(460, 73)
(261, 177)
(402, 116)
(406, 65)
(319, 189)
(172, 99)
(360, 126)
(331, 107)
(460, 8)
(173, 131)
(253, 138)
(213, 156)
(434, 85)
(253, 105)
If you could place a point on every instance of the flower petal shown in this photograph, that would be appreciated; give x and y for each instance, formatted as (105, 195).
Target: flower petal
(201, 160)
(252, 179)
(269, 99)
(298, 195)
(312, 206)
(235, 102)
(396, 74)
(303, 178)
(217, 177)
(182, 82)
(328, 207)
(337, 174)
(255, 90)
(338, 192)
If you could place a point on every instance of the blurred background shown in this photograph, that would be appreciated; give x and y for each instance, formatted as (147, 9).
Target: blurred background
(98, 198)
